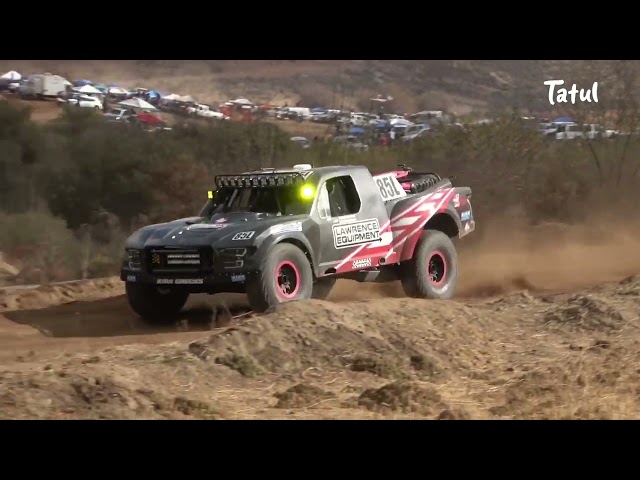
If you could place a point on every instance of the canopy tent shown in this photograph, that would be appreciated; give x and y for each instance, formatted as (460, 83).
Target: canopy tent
(12, 75)
(88, 89)
(153, 94)
(318, 110)
(81, 83)
(178, 98)
(101, 86)
(137, 103)
(115, 90)
(242, 101)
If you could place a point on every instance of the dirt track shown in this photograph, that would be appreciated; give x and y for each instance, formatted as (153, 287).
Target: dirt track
(504, 349)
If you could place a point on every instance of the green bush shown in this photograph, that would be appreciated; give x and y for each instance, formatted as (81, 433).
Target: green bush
(46, 248)
(100, 181)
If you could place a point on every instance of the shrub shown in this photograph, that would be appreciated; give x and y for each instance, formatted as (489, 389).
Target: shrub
(100, 181)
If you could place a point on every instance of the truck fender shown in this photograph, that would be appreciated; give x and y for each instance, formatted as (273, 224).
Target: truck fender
(297, 239)
(443, 217)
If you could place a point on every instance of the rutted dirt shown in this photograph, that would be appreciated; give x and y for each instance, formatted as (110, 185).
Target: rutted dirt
(518, 356)
(524, 339)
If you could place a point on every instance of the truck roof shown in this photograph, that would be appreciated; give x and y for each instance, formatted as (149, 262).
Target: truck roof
(319, 170)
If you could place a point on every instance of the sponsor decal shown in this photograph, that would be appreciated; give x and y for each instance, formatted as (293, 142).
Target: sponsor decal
(465, 216)
(389, 187)
(306, 174)
(243, 235)
(131, 278)
(286, 227)
(180, 281)
(456, 200)
(350, 234)
(238, 277)
(361, 263)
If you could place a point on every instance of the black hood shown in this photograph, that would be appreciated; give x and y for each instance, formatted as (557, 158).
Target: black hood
(196, 231)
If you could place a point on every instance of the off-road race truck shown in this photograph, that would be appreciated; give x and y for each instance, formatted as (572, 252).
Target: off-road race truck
(288, 234)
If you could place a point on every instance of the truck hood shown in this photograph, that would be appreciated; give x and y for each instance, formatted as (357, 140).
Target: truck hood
(220, 231)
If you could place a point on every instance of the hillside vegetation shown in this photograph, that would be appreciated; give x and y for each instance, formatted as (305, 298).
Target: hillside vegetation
(72, 189)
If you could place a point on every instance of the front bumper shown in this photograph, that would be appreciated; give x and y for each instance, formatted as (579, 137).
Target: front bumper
(193, 282)
(196, 269)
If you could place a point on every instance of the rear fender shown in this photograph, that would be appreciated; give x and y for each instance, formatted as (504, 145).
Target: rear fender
(407, 226)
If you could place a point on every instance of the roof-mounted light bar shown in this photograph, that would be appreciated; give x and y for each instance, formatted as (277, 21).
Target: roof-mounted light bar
(259, 180)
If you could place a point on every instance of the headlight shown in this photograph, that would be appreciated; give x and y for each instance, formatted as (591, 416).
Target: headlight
(134, 257)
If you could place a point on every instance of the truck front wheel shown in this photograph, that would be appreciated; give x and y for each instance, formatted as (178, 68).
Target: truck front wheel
(433, 270)
(155, 304)
(285, 275)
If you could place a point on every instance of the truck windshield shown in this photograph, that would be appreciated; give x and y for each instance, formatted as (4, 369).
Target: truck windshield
(285, 200)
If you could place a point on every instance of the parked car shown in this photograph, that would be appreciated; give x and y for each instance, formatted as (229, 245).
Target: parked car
(83, 101)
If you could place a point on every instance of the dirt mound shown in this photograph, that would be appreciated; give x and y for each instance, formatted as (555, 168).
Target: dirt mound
(406, 397)
(383, 339)
(524, 355)
(301, 396)
(586, 312)
(43, 296)
(58, 394)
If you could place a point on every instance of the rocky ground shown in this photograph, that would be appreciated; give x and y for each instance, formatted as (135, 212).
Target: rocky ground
(518, 356)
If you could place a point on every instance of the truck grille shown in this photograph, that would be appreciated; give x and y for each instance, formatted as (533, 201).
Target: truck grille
(179, 260)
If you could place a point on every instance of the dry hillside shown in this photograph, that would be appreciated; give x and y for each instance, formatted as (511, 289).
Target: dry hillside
(459, 86)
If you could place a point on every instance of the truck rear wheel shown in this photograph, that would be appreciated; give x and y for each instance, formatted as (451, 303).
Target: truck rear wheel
(433, 270)
(155, 304)
(285, 275)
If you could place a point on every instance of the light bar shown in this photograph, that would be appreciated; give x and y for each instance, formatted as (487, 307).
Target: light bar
(257, 180)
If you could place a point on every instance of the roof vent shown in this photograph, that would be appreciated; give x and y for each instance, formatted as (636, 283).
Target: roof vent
(302, 166)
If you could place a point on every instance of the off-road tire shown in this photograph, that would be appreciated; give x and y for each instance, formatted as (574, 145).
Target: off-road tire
(155, 304)
(322, 288)
(434, 250)
(284, 263)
